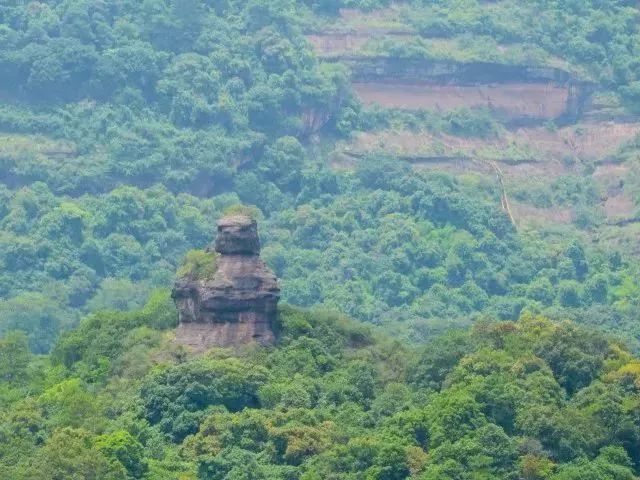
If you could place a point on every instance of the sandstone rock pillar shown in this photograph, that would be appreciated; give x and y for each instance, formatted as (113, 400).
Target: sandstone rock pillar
(237, 304)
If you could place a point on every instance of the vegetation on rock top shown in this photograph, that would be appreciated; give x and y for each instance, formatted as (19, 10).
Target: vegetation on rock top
(198, 265)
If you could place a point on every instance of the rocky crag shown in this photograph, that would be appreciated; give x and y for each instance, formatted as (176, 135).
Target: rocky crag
(236, 303)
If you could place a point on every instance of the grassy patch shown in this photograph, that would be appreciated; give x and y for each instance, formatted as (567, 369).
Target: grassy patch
(198, 265)
(250, 211)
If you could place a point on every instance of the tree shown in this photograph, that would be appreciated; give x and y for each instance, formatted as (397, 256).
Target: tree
(117, 294)
(69, 454)
(575, 252)
(14, 357)
(125, 449)
(38, 316)
(65, 221)
(542, 291)
(68, 403)
(596, 289)
(190, 85)
(488, 452)
(438, 358)
(612, 464)
(177, 398)
(283, 163)
(569, 293)
(233, 463)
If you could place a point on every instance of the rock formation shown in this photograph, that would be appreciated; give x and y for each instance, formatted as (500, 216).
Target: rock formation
(237, 302)
(519, 95)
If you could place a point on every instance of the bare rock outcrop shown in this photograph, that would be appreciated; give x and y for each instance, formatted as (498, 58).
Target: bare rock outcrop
(235, 303)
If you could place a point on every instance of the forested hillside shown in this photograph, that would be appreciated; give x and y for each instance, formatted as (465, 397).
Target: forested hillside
(117, 399)
(447, 190)
(128, 127)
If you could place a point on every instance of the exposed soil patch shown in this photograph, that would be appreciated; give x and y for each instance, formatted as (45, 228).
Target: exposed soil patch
(510, 101)
(619, 207)
(434, 149)
(337, 43)
(522, 155)
(355, 28)
(530, 170)
(342, 43)
(611, 178)
(458, 154)
(359, 19)
(453, 165)
(611, 170)
(615, 180)
(599, 140)
(588, 141)
(16, 145)
(623, 237)
(526, 215)
(520, 148)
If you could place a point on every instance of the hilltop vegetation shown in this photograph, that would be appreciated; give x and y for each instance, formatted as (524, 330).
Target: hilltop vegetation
(478, 349)
(596, 39)
(120, 149)
(118, 400)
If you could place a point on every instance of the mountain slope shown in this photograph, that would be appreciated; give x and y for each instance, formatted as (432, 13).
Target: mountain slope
(333, 399)
(121, 149)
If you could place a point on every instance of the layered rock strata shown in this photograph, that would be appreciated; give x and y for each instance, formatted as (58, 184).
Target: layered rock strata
(520, 95)
(235, 305)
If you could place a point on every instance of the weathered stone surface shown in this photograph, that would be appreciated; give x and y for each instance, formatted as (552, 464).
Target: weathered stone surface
(238, 304)
(237, 234)
(520, 95)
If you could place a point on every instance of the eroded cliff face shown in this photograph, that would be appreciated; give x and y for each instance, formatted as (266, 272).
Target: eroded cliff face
(238, 303)
(517, 94)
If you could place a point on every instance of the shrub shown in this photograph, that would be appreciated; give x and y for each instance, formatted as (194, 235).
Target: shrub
(198, 265)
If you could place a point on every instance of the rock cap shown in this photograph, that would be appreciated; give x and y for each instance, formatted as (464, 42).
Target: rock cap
(237, 235)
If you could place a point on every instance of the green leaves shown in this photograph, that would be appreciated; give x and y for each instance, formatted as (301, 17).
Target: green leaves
(14, 357)
(69, 454)
(123, 448)
(177, 398)
(198, 265)
(528, 399)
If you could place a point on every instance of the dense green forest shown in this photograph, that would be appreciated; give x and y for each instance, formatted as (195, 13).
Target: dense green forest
(431, 338)
(117, 399)
(120, 148)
